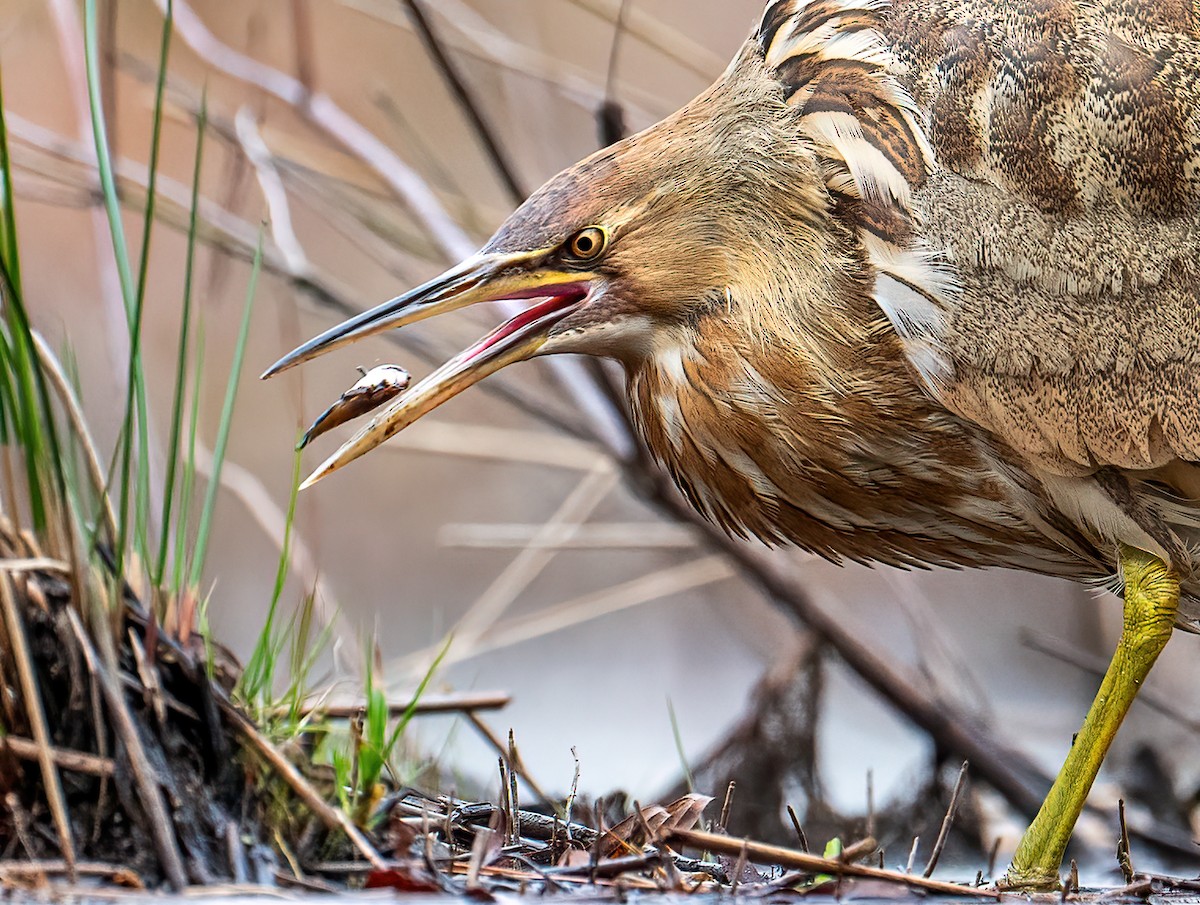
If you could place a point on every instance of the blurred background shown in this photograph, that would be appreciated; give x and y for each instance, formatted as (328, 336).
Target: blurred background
(504, 517)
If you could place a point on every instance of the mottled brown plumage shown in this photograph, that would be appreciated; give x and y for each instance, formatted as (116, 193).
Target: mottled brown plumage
(911, 283)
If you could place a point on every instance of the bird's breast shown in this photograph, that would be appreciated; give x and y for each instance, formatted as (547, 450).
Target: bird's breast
(847, 458)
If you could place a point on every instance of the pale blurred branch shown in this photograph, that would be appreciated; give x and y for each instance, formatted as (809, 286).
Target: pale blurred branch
(466, 101)
(667, 40)
(654, 586)
(275, 195)
(471, 628)
(597, 536)
(500, 444)
(471, 34)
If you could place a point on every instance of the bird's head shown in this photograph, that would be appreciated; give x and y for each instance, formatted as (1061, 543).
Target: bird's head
(629, 246)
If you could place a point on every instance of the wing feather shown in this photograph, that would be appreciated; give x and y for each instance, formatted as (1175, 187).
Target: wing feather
(1066, 197)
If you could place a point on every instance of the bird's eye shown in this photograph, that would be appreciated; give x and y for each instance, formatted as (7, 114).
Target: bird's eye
(587, 243)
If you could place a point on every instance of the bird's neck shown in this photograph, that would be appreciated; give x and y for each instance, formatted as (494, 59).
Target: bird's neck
(788, 433)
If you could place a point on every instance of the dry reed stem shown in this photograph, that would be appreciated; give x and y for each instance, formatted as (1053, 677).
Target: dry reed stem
(75, 761)
(790, 858)
(53, 370)
(35, 564)
(27, 869)
(32, 696)
(145, 777)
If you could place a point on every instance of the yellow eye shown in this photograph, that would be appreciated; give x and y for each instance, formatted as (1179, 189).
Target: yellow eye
(587, 243)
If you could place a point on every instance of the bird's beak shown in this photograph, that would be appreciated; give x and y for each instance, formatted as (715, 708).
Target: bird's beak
(482, 278)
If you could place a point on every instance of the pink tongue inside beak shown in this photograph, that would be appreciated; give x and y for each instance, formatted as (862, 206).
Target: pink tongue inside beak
(549, 309)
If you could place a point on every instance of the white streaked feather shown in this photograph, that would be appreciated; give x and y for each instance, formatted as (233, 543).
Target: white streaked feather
(917, 266)
(789, 43)
(876, 176)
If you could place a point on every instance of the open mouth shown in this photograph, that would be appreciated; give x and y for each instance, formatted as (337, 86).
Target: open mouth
(554, 294)
(537, 319)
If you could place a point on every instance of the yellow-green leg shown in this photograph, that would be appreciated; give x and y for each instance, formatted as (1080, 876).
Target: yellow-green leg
(1151, 603)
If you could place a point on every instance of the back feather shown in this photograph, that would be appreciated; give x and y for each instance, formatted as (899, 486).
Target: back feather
(837, 70)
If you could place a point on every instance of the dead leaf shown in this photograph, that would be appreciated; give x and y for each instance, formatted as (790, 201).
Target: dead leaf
(684, 813)
(401, 879)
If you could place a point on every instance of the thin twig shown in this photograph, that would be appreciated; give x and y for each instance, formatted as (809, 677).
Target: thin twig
(75, 761)
(467, 702)
(947, 822)
(1124, 856)
(466, 101)
(723, 820)
(799, 827)
(25, 869)
(38, 564)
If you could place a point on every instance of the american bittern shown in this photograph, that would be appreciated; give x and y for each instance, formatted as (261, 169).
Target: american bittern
(910, 284)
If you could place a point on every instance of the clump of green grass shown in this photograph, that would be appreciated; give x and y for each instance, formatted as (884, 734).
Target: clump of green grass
(92, 508)
(104, 527)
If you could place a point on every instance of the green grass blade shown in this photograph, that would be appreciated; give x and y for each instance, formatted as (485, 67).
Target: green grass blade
(231, 391)
(683, 760)
(8, 217)
(142, 497)
(182, 522)
(28, 411)
(258, 678)
(112, 208)
(411, 709)
(185, 324)
(108, 186)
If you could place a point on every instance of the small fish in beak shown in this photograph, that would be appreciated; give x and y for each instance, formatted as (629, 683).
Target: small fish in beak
(377, 386)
